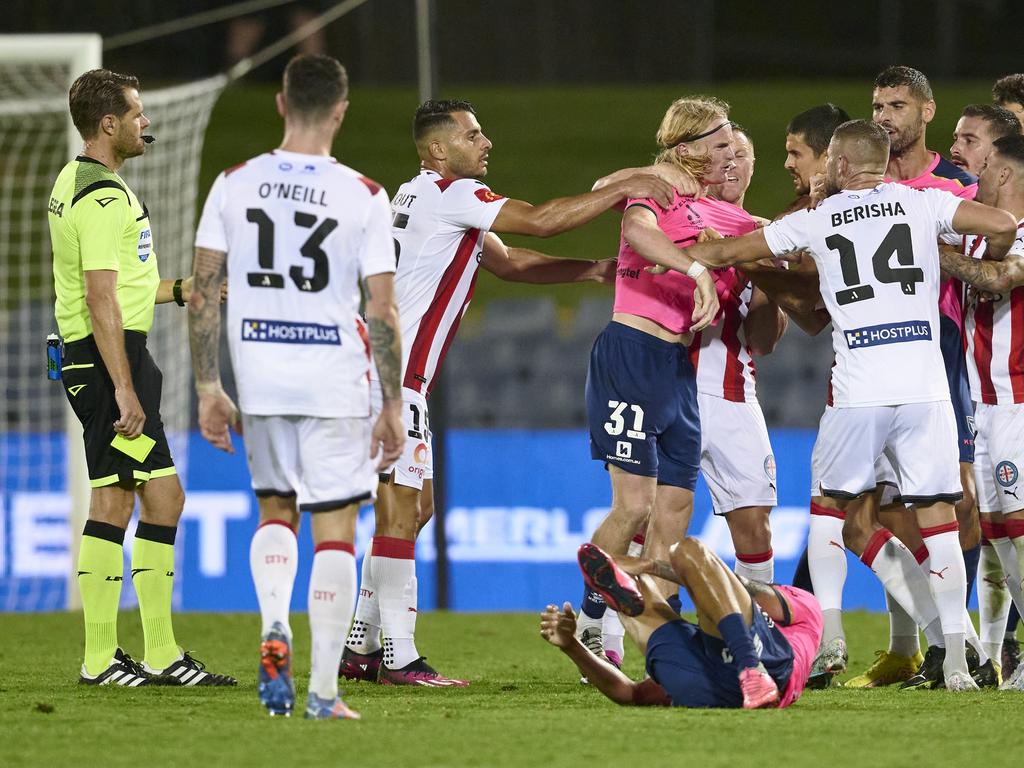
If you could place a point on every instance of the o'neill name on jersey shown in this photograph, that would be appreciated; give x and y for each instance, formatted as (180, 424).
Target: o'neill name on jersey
(300, 193)
(890, 333)
(284, 332)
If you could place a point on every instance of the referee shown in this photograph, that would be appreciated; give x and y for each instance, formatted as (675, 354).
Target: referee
(107, 282)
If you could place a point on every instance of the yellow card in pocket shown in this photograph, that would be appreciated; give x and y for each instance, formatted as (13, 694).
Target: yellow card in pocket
(138, 448)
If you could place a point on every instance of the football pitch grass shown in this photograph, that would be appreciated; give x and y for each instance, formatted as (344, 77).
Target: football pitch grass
(525, 707)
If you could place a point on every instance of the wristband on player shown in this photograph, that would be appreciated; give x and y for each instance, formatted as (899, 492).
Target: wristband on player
(696, 270)
(176, 293)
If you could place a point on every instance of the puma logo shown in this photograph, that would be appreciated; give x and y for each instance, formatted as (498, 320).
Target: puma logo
(838, 545)
(940, 574)
(412, 610)
(998, 583)
(1013, 493)
(105, 201)
(76, 389)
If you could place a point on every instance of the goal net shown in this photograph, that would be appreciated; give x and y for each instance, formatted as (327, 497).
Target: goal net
(43, 485)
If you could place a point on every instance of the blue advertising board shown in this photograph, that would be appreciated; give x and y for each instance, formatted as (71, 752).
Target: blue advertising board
(519, 503)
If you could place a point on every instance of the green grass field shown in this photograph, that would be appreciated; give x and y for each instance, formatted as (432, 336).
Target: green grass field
(524, 708)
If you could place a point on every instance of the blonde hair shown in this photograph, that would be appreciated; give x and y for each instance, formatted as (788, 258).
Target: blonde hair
(685, 119)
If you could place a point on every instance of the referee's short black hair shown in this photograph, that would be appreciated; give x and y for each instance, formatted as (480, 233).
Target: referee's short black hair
(96, 93)
(1001, 122)
(314, 85)
(433, 113)
(913, 79)
(817, 124)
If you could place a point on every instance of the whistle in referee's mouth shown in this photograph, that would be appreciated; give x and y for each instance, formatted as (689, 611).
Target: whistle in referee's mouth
(148, 138)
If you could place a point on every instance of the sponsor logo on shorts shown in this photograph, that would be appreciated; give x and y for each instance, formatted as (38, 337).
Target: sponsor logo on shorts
(283, 332)
(769, 467)
(1006, 473)
(623, 449)
(890, 333)
(420, 454)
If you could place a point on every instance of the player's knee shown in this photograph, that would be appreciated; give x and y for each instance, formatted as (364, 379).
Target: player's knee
(689, 555)
(857, 529)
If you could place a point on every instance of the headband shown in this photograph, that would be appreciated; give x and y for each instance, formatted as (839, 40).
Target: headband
(717, 128)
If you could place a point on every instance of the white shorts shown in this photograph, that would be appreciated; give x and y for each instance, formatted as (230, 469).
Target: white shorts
(325, 463)
(918, 438)
(416, 463)
(885, 476)
(998, 457)
(735, 454)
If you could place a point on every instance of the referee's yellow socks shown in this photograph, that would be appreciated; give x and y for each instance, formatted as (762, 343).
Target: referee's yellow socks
(100, 571)
(153, 575)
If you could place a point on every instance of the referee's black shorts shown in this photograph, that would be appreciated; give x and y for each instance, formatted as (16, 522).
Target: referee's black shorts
(91, 394)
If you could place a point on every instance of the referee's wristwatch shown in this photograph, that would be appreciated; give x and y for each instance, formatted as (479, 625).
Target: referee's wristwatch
(176, 292)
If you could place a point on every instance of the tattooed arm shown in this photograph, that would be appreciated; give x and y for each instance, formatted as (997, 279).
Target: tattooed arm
(386, 344)
(766, 597)
(994, 276)
(216, 410)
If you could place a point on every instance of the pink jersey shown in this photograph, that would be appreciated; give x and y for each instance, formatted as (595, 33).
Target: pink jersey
(803, 633)
(439, 227)
(668, 299)
(995, 337)
(719, 353)
(942, 174)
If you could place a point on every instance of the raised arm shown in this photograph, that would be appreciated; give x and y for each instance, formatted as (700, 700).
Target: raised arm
(996, 225)
(731, 250)
(993, 276)
(522, 265)
(564, 213)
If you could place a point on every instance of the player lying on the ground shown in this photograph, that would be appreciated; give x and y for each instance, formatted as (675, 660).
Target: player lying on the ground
(752, 645)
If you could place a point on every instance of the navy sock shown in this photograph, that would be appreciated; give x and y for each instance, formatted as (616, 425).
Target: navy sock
(971, 557)
(675, 603)
(593, 605)
(737, 637)
(802, 576)
(1012, 620)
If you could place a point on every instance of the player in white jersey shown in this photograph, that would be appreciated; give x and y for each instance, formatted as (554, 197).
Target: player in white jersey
(441, 223)
(995, 360)
(875, 248)
(736, 455)
(296, 232)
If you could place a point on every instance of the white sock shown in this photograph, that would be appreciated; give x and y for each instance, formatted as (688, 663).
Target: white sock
(394, 572)
(364, 636)
(332, 593)
(932, 631)
(897, 569)
(993, 599)
(903, 630)
(614, 634)
(972, 637)
(1008, 557)
(826, 561)
(947, 577)
(758, 567)
(273, 560)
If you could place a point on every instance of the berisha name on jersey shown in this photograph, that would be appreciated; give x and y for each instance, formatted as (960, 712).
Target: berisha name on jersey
(301, 232)
(878, 268)
(439, 226)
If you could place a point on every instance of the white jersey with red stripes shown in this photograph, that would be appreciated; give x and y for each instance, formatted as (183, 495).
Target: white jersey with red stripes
(439, 227)
(300, 231)
(995, 336)
(719, 353)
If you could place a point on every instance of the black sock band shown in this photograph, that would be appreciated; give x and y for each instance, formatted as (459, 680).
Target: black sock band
(104, 531)
(161, 534)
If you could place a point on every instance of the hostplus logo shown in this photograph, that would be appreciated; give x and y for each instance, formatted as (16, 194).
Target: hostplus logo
(890, 333)
(282, 332)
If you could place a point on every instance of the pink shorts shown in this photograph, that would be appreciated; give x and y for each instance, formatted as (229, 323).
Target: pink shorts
(804, 635)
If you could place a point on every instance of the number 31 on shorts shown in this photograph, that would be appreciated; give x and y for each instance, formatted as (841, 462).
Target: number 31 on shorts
(617, 421)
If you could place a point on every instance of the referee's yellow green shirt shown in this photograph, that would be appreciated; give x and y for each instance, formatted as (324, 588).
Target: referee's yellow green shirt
(97, 222)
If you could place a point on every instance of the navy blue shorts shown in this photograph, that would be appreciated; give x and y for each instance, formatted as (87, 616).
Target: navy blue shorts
(951, 344)
(642, 406)
(696, 670)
